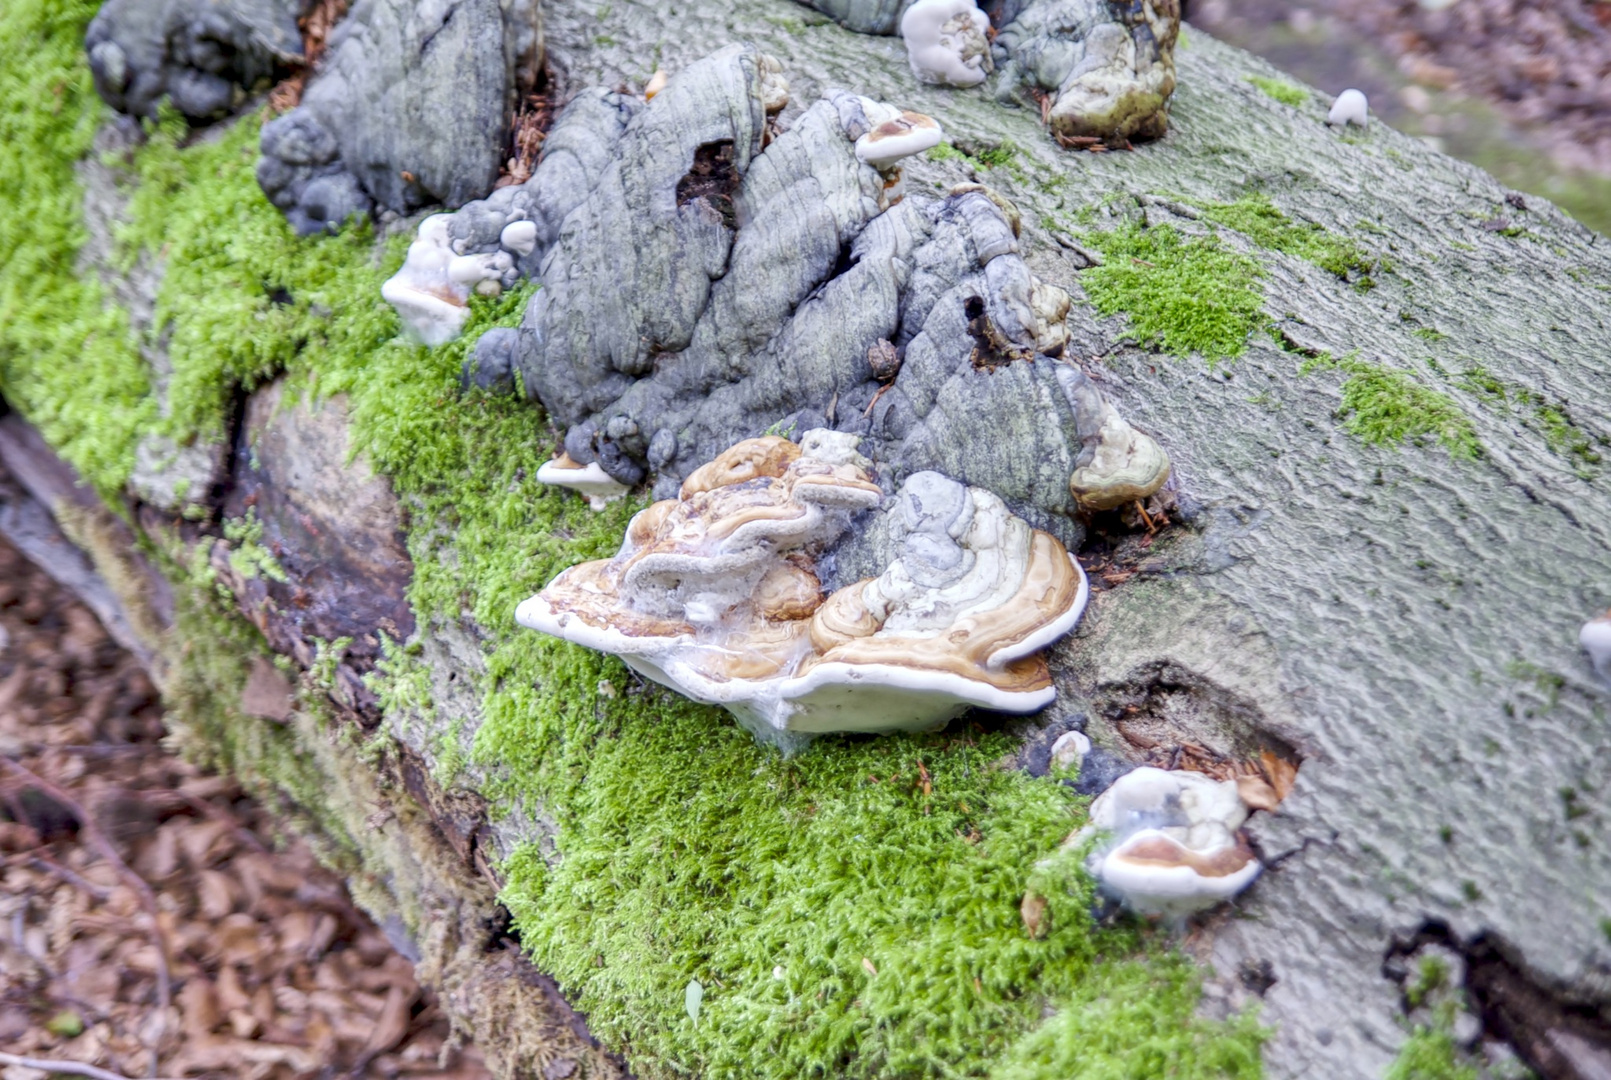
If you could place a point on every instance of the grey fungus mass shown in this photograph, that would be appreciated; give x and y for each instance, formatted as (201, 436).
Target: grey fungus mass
(718, 594)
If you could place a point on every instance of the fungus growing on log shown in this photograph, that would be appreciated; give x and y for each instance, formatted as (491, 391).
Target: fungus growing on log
(1100, 72)
(590, 480)
(946, 42)
(893, 141)
(1349, 108)
(717, 595)
(1595, 637)
(1178, 847)
(1117, 464)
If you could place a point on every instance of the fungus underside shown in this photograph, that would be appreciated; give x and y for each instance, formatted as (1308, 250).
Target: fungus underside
(684, 850)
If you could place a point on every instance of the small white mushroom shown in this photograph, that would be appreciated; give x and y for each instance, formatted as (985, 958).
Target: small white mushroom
(946, 42)
(590, 480)
(1178, 847)
(1349, 108)
(1595, 637)
(1069, 751)
(891, 142)
(519, 237)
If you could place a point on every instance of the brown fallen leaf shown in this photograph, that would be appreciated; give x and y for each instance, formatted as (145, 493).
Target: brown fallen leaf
(1257, 793)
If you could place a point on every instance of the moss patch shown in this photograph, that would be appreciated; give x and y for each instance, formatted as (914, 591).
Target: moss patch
(65, 351)
(1261, 221)
(1183, 294)
(1284, 92)
(1115, 1035)
(684, 851)
(1551, 419)
(1387, 407)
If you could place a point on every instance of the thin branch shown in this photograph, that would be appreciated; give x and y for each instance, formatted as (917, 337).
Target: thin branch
(148, 900)
(51, 1065)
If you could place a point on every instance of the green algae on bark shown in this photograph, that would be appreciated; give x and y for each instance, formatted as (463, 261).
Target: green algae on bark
(1279, 89)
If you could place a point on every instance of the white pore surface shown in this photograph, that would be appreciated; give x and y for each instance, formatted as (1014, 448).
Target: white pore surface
(1350, 108)
(1172, 891)
(591, 480)
(946, 43)
(885, 152)
(1595, 637)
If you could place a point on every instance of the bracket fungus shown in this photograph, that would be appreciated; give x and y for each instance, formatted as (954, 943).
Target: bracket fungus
(1349, 108)
(1101, 72)
(1117, 464)
(590, 480)
(431, 290)
(718, 594)
(946, 42)
(893, 141)
(1178, 845)
(1595, 637)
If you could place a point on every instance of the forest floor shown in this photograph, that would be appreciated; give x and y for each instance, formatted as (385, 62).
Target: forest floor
(1519, 87)
(271, 971)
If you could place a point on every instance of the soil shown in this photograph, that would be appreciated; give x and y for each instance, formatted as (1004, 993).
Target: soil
(271, 970)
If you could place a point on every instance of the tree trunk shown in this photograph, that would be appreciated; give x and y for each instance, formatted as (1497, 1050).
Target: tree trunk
(1402, 616)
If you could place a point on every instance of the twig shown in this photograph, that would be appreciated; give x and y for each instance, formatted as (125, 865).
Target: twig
(71, 1068)
(44, 862)
(148, 900)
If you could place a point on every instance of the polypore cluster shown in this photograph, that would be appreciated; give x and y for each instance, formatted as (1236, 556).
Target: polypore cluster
(1177, 846)
(718, 594)
(1098, 71)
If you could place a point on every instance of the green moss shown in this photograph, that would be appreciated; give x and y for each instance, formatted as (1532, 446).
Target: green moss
(66, 355)
(243, 298)
(1284, 92)
(1386, 407)
(1183, 294)
(1003, 155)
(1550, 419)
(684, 851)
(1261, 221)
(1120, 1027)
(1430, 1054)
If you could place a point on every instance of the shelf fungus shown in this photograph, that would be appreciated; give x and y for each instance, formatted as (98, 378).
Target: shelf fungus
(431, 291)
(946, 42)
(718, 594)
(1101, 72)
(892, 141)
(1117, 465)
(590, 480)
(1177, 844)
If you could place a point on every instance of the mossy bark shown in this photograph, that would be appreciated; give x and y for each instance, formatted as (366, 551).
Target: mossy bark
(1401, 616)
